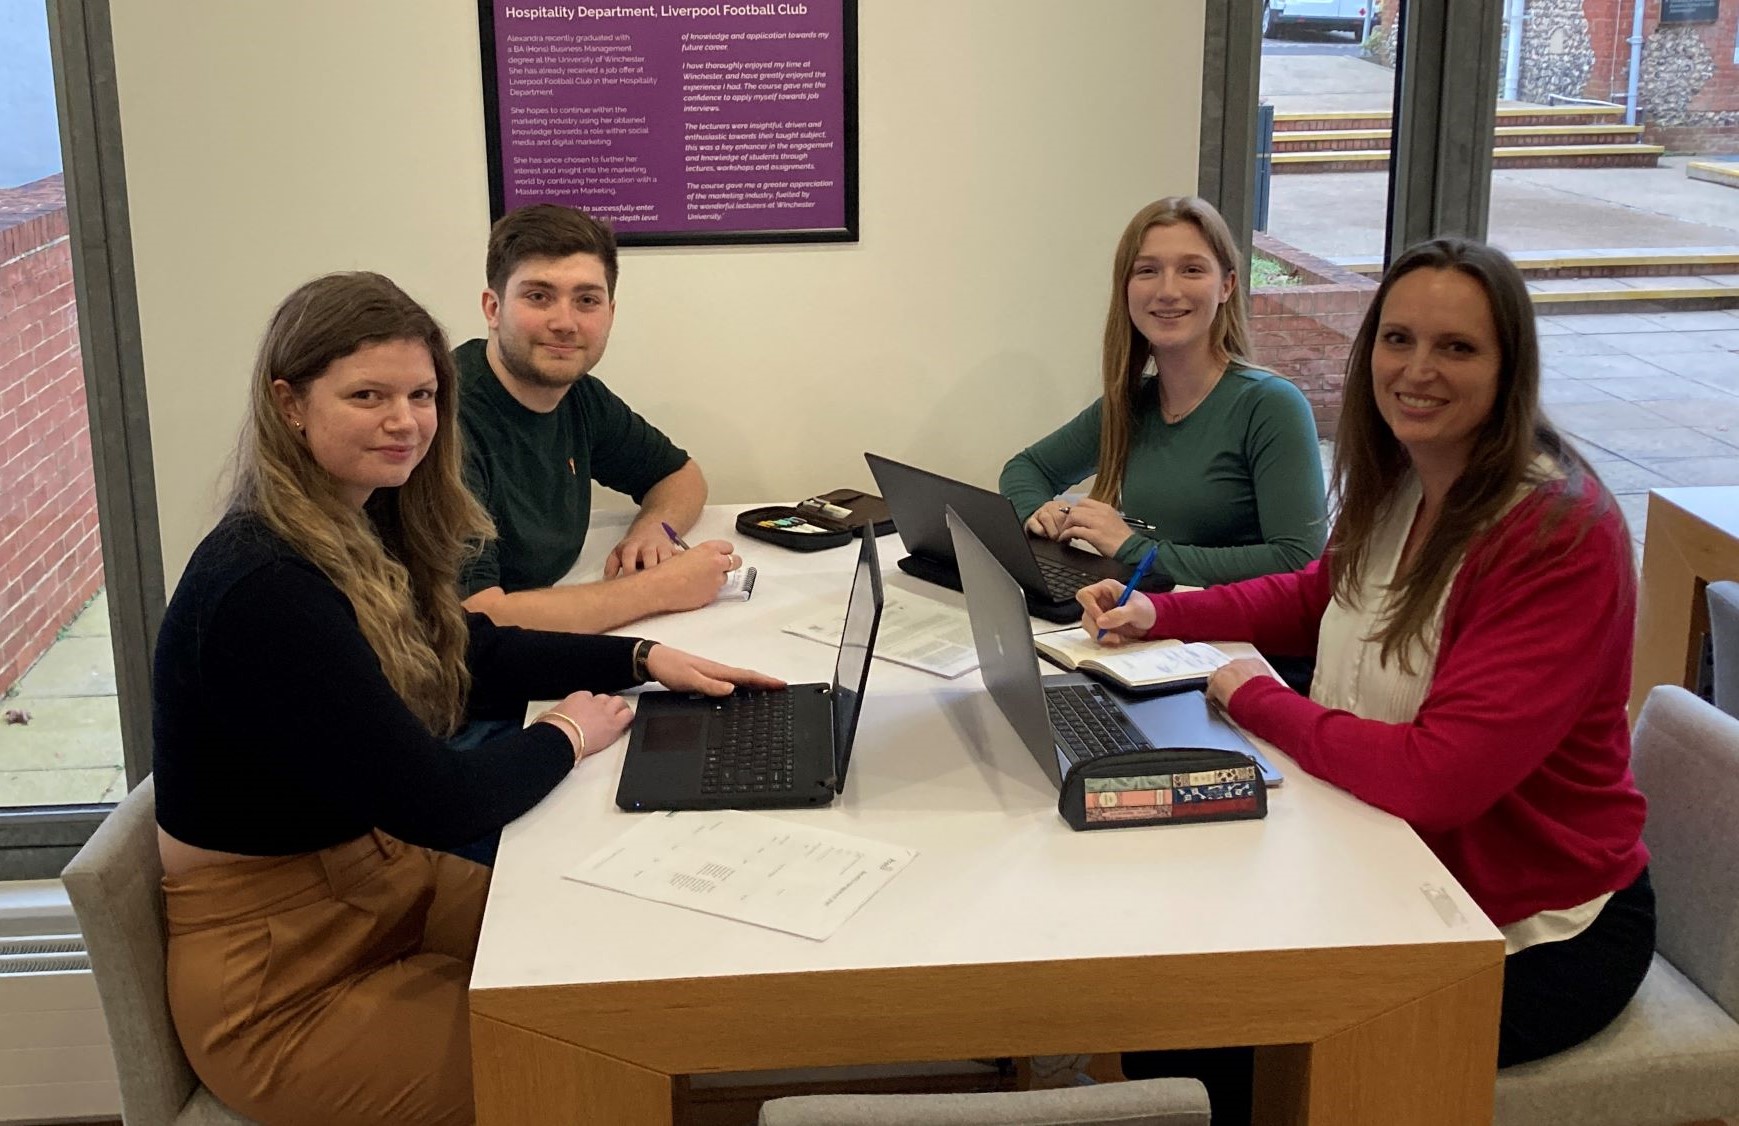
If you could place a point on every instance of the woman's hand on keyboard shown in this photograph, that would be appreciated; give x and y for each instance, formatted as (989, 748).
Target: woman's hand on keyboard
(1099, 611)
(1048, 520)
(1096, 522)
(685, 672)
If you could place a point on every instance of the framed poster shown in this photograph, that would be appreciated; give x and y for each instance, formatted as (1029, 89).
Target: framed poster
(679, 124)
(1689, 11)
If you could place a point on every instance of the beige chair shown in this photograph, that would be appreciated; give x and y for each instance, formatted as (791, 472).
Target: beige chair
(1724, 634)
(115, 884)
(1672, 1056)
(1146, 1102)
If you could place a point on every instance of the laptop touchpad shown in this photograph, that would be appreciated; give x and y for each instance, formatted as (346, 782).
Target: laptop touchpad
(675, 732)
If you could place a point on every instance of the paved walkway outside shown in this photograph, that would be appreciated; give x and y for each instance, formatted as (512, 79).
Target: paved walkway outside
(1343, 214)
(1652, 400)
(70, 751)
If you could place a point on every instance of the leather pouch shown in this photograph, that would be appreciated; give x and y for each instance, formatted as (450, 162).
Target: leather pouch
(828, 520)
(1162, 787)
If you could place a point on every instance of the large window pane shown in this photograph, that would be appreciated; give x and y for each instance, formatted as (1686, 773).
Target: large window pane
(1625, 218)
(60, 739)
(1328, 80)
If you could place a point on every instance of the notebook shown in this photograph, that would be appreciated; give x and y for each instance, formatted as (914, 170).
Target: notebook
(739, 586)
(1067, 720)
(780, 749)
(1152, 666)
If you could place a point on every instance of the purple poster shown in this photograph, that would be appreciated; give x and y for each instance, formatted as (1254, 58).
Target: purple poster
(677, 123)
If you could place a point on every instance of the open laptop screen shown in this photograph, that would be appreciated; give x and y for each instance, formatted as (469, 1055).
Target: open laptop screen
(851, 670)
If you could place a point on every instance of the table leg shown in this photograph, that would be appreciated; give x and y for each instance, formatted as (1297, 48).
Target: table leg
(524, 1077)
(1667, 640)
(1431, 1062)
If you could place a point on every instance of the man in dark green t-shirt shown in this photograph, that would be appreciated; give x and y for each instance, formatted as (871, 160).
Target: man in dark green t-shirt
(539, 429)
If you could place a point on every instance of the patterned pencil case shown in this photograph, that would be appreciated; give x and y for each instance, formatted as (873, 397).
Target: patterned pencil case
(1162, 787)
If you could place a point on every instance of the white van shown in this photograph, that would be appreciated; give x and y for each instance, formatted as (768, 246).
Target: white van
(1316, 15)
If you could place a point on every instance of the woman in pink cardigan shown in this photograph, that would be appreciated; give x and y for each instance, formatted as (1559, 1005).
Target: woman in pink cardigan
(1472, 622)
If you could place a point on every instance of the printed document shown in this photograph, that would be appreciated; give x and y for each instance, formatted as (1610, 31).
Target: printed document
(916, 632)
(746, 866)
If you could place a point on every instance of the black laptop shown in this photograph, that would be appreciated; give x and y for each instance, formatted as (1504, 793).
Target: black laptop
(1049, 572)
(1064, 720)
(780, 749)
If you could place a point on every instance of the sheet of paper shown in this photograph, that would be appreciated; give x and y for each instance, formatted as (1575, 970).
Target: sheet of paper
(748, 867)
(915, 632)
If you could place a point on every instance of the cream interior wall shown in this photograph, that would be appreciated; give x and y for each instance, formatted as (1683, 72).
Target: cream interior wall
(1003, 145)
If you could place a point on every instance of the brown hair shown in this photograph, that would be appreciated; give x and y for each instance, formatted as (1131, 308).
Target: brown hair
(1125, 352)
(1369, 462)
(547, 230)
(398, 562)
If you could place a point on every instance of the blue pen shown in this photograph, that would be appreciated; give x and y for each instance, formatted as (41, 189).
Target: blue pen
(674, 538)
(1141, 569)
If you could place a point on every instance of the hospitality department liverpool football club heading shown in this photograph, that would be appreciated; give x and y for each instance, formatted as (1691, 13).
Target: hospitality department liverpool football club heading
(658, 11)
(679, 124)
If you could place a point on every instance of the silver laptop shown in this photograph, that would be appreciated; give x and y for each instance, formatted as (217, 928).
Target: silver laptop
(1068, 719)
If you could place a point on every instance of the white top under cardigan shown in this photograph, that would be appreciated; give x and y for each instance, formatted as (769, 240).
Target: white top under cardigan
(1352, 676)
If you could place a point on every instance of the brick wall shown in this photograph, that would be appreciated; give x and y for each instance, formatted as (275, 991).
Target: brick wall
(50, 556)
(1690, 83)
(1304, 332)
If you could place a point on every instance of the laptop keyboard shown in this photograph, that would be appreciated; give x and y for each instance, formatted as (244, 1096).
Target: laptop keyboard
(1061, 580)
(749, 745)
(1089, 724)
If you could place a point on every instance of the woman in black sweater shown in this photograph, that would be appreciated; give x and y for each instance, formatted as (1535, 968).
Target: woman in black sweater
(310, 667)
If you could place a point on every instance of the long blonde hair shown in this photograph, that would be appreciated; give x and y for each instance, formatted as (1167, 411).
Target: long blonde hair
(1125, 352)
(398, 560)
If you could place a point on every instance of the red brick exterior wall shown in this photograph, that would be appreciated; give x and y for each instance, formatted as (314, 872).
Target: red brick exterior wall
(50, 555)
(1305, 332)
(1716, 102)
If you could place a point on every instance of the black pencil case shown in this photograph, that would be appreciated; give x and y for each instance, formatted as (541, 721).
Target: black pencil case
(824, 521)
(1162, 787)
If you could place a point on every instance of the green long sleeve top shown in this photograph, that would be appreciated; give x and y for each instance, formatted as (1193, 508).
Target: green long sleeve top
(1233, 490)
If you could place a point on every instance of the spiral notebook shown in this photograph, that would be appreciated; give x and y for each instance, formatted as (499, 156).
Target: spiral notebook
(739, 585)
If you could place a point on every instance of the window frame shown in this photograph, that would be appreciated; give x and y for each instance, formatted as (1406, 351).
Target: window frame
(36, 843)
(1445, 116)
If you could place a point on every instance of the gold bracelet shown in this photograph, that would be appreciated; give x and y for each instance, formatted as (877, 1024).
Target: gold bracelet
(573, 725)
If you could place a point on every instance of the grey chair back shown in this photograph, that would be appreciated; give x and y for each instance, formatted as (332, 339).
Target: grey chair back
(1147, 1102)
(1724, 631)
(1685, 755)
(115, 884)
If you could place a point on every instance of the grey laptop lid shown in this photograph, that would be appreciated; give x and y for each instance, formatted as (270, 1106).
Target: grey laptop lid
(1003, 635)
(1009, 663)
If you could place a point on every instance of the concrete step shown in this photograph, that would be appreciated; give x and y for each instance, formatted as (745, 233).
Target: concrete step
(1506, 115)
(1641, 265)
(1511, 136)
(1507, 156)
(1641, 294)
(1725, 172)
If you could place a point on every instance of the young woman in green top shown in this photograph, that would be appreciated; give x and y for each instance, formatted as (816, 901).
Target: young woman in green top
(1214, 458)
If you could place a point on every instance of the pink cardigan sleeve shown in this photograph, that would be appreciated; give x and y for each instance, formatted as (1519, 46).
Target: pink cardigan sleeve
(1526, 628)
(1279, 614)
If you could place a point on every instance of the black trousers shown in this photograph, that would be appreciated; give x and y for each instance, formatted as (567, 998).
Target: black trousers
(1556, 995)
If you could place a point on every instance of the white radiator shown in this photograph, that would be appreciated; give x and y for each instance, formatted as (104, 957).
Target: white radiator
(54, 1048)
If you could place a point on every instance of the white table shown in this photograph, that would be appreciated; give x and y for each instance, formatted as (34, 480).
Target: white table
(1327, 933)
